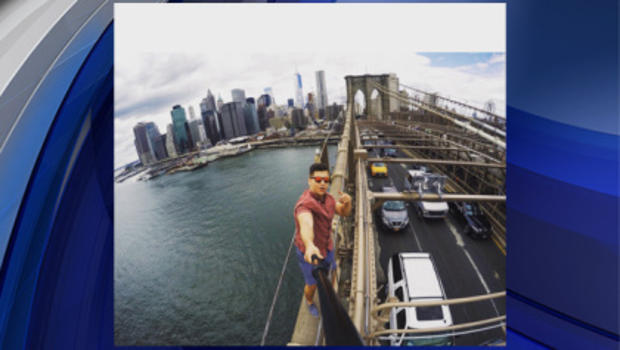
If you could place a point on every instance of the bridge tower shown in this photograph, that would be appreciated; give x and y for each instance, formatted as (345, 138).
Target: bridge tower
(365, 84)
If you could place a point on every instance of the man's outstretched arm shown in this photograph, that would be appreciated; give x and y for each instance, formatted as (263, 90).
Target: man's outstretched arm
(306, 231)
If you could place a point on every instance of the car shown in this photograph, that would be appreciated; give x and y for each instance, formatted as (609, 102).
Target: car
(477, 225)
(368, 144)
(390, 152)
(378, 169)
(414, 277)
(394, 214)
(419, 180)
(419, 168)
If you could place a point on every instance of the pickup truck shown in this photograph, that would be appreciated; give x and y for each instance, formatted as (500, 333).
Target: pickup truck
(476, 223)
(419, 180)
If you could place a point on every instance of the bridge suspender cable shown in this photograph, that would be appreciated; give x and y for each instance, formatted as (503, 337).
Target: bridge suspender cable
(275, 295)
(495, 140)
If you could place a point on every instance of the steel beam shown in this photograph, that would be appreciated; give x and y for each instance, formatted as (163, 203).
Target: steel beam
(419, 147)
(436, 161)
(433, 197)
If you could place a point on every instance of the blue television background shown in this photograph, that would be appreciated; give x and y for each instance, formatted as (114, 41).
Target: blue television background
(56, 171)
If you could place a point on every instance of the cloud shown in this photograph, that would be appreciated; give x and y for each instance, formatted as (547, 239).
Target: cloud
(180, 67)
(498, 58)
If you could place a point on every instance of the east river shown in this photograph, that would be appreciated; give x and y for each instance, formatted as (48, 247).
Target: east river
(197, 255)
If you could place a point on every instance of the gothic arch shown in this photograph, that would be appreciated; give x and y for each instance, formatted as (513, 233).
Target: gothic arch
(365, 83)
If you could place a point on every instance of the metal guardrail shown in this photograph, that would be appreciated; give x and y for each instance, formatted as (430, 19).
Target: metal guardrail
(436, 161)
(378, 311)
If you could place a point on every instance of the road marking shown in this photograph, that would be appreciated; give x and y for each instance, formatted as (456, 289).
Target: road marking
(415, 236)
(455, 233)
(498, 245)
(461, 243)
(403, 165)
(484, 284)
(496, 275)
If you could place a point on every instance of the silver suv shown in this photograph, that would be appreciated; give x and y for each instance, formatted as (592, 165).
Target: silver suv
(413, 277)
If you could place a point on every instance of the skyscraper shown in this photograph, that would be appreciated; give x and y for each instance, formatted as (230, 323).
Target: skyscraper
(291, 102)
(233, 120)
(238, 95)
(160, 143)
(298, 120)
(310, 106)
(192, 115)
(158, 150)
(208, 110)
(219, 104)
(321, 90)
(269, 91)
(197, 132)
(263, 121)
(141, 142)
(170, 147)
(264, 100)
(181, 137)
(210, 101)
(251, 116)
(299, 92)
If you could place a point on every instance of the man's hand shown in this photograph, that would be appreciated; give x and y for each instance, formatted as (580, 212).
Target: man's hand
(311, 249)
(343, 206)
(345, 199)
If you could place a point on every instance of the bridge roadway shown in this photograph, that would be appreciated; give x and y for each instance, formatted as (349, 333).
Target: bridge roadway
(466, 266)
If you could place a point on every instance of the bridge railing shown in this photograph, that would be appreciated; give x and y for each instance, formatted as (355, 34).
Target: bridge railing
(381, 314)
(307, 328)
(364, 273)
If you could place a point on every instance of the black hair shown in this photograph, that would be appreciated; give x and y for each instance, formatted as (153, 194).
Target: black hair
(318, 167)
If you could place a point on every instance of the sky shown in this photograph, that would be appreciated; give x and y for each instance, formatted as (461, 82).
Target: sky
(168, 54)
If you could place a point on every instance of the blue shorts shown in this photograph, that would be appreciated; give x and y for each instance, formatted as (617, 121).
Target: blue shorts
(306, 268)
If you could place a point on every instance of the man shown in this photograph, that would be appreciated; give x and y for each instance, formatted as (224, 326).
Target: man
(314, 212)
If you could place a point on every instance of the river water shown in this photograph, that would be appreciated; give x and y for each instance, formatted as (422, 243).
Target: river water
(197, 255)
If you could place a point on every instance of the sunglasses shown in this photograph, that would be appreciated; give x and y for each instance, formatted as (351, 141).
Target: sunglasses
(319, 179)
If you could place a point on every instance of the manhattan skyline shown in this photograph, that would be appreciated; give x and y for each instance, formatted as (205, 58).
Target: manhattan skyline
(156, 68)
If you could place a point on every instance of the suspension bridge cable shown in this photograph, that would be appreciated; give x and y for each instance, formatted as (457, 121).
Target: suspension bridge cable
(275, 295)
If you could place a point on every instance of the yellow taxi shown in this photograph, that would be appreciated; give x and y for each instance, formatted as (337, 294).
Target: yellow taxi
(378, 169)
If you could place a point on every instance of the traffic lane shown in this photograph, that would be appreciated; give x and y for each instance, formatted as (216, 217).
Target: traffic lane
(393, 242)
(484, 253)
(390, 242)
(460, 278)
(457, 272)
(437, 233)
(489, 259)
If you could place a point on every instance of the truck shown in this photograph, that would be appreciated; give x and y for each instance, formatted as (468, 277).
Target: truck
(414, 277)
(421, 181)
(477, 225)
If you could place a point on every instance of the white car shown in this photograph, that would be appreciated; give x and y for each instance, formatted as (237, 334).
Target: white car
(413, 277)
(418, 180)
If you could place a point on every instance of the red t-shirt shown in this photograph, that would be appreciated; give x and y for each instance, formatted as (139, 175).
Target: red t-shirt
(322, 214)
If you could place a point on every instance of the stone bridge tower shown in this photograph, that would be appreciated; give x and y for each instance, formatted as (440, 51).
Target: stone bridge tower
(364, 83)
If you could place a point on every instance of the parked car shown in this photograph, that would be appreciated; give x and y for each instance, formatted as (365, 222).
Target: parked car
(413, 277)
(378, 169)
(394, 213)
(477, 225)
(417, 180)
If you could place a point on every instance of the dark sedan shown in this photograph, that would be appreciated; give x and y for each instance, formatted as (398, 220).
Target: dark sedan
(476, 223)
